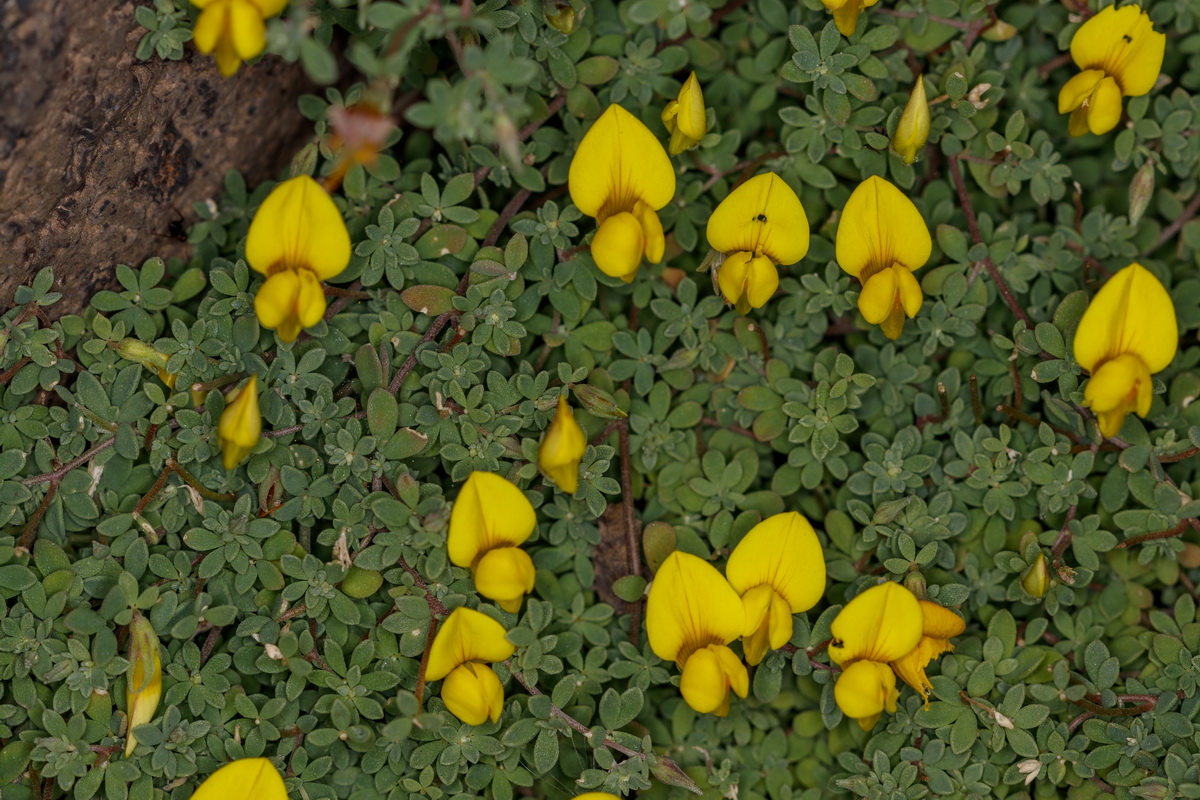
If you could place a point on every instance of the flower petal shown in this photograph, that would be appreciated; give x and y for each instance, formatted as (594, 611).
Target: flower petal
(506, 575)
(489, 512)
(472, 692)
(297, 226)
(908, 291)
(562, 448)
(210, 25)
(881, 624)
(1132, 313)
(881, 227)
(878, 295)
(940, 622)
(1075, 91)
(865, 689)
(310, 301)
(763, 216)
(691, 605)
(784, 553)
(1104, 108)
(707, 677)
(466, 635)
(246, 32)
(240, 426)
(911, 667)
(1115, 389)
(1123, 43)
(618, 245)
(619, 162)
(654, 242)
(244, 779)
(912, 131)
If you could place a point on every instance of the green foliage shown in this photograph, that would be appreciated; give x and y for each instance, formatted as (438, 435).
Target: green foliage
(293, 596)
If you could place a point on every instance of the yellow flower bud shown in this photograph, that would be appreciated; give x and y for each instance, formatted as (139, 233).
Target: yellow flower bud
(240, 426)
(234, 29)
(1120, 55)
(562, 448)
(999, 31)
(143, 682)
(1036, 580)
(138, 351)
(244, 779)
(685, 118)
(559, 15)
(912, 131)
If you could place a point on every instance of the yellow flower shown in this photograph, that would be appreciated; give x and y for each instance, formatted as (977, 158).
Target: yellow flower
(562, 448)
(864, 690)
(240, 426)
(1127, 333)
(596, 796)
(297, 239)
(882, 240)
(472, 690)
(940, 625)
(912, 131)
(685, 118)
(1036, 580)
(244, 779)
(692, 614)
(881, 624)
(759, 225)
(845, 13)
(234, 29)
(622, 176)
(489, 521)
(1120, 54)
(779, 570)
(143, 684)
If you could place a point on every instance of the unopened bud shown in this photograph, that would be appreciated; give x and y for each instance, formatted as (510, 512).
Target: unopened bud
(141, 353)
(658, 542)
(305, 162)
(506, 136)
(1036, 580)
(1141, 189)
(559, 15)
(597, 401)
(915, 583)
(999, 31)
(143, 681)
(912, 131)
(1003, 721)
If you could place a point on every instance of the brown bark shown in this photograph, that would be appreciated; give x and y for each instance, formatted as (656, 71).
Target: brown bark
(101, 153)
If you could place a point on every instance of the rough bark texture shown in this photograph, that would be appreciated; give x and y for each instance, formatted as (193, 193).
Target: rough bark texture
(100, 153)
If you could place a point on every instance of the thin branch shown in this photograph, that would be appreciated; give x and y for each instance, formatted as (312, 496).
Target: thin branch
(1168, 232)
(59, 473)
(1152, 535)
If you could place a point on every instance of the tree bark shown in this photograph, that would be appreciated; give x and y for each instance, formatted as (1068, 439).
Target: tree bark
(100, 153)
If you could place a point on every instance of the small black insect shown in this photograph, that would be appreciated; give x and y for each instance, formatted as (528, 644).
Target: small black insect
(761, 218)
(1127, 38)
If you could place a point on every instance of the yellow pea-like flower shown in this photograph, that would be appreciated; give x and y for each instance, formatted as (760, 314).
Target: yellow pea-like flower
(940, 625)
(562, 448)
(622, 176)
(912, 131)
(244, 779)
(1127, 333)
(692, 614)
(845, 13)
(881, 624)
(461, 651)
(760, 225)
(240, 426)
(234, 29)
(143, 684)
(882, 240)
(778, 568)
(864, 690)
(297, 239)
(1120, 55)
(685, 118)
(490, 520)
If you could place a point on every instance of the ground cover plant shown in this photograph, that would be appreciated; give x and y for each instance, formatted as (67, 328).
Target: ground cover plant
(643, 398)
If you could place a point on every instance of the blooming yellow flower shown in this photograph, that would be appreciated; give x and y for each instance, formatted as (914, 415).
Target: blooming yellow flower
(244, 779)
(622, 176)
(684, 117)
(760, 224)
(235, 29)
(779, 569)
(912, 131)
(1120, 54)
(940, 625)
(461, 650)
(297, 239)
(845, 13)
(882, 240)
(240, 426)
(562, 448)
(879, 626)
(143, 684)
(692, 614)
(1127, 333)
(489, 521)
